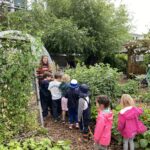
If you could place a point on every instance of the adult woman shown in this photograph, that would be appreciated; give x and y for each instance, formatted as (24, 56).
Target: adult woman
(44, 67)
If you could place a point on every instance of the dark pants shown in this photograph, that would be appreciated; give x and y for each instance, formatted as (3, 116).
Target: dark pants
(45, 103)
(84, 123)
(56, 107)
(73, 115)
(50, 105)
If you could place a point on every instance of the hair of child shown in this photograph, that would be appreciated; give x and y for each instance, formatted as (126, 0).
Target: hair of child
(65, 78)
(47, 74)
(58, 75)
(103, 100)
(127, 100)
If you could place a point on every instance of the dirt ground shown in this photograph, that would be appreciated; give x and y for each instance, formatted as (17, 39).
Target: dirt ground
(59, 131)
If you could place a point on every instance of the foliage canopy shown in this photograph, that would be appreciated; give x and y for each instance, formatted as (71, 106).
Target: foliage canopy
(94, 29)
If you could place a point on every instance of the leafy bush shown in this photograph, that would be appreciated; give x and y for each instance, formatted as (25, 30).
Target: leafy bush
(118, 61)
(16, 67)
(102, 79)
(121, 62)
(130, 87)
(146, 97)
(33, 144)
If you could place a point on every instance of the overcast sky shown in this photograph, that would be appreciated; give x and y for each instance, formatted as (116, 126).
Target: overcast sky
(139, 10)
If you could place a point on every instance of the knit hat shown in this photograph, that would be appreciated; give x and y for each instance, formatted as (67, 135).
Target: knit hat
(84, 90)
(74, 84)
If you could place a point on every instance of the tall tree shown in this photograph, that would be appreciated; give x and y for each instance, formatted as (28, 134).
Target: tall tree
(93, 28)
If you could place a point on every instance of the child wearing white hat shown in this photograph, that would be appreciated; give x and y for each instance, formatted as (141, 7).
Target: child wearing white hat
(73, 97)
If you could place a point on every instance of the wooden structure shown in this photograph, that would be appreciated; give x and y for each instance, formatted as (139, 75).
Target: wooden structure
(136, 51)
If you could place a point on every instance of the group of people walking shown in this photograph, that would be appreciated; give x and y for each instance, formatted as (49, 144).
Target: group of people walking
(62, 95)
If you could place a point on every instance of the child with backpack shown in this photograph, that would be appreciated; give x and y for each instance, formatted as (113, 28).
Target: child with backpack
(128, 123)
(84, 111)
(102, 133)
(64, 87)
(73, 96)
(56, 95)
(45, 95)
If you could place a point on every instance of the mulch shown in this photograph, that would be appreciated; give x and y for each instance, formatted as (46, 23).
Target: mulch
(59, 131)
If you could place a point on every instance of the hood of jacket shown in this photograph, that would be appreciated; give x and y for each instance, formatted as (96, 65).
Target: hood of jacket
(107, 115)
(130, 112)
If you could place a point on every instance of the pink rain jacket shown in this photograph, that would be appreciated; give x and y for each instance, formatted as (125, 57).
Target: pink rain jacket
(102, 134)
(128, 123)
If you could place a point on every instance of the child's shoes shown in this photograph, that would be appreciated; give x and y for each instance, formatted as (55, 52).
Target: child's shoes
(77, 125)
(63, 121)
(85, 137)
(71, 126)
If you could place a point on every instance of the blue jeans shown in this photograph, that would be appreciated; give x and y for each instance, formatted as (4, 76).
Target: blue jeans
(56, 107)
(73, 115)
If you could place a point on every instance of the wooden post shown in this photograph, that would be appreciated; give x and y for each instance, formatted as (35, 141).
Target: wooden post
(129, 70)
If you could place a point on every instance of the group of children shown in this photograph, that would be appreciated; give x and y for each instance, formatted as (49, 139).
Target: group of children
(61, 95)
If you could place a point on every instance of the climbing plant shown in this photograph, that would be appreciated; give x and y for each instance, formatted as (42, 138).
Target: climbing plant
(16, 68)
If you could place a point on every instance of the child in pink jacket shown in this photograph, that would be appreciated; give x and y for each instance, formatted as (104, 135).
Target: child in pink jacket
(102, 134)
(128, 123)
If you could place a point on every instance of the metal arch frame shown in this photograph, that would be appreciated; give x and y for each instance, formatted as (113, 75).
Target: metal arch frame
(19, 35)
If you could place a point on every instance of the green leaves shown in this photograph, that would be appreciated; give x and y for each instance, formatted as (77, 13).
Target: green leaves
(64, 35)
(34, 144)
(143, 143)
(102, 79)
(15, 87)
(92, 28)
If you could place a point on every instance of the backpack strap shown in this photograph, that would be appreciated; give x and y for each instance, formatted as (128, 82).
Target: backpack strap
(86, 101)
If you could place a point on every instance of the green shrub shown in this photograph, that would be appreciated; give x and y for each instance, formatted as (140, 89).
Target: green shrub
(130, 87)
(146, 97)
(34, 144)
(16, 68)
(118, 61)
(102, 79)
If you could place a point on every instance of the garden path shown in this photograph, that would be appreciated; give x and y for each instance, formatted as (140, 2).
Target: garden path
(59, 131)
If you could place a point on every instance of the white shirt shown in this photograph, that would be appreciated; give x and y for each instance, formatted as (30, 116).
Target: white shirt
(86, 103)
(54, 89)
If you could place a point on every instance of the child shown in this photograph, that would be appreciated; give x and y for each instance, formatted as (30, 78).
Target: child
(64, 87)
(56, 96)
(102, 133)
(45, 95)
(44, 67)
(84, 110)
(128, 124)
(73, 96)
